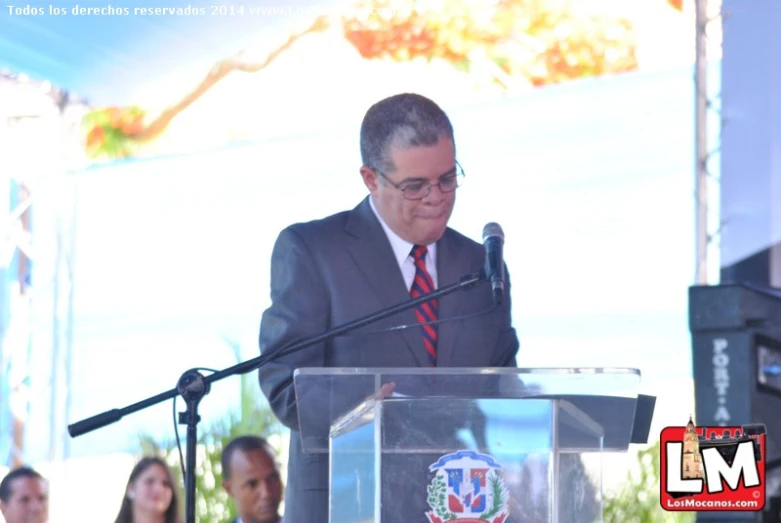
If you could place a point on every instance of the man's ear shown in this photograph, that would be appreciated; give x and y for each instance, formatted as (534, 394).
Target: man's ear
(227, 486)
(369, 178)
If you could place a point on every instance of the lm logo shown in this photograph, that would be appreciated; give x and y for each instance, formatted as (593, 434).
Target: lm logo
(713, 468)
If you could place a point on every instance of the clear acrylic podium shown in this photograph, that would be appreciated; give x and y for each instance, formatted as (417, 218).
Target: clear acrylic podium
(465, 445)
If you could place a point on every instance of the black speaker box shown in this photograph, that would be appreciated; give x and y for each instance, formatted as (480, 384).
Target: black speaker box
(736, 359)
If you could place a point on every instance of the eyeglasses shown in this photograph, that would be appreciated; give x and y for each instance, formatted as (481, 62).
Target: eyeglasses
(417, 190)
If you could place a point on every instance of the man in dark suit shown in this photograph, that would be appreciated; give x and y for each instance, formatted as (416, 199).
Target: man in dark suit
(251, 478)
(395, 244)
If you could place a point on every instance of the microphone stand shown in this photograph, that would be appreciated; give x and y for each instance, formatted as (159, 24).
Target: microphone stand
(193, 385)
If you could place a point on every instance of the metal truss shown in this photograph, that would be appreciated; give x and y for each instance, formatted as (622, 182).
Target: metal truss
(16, 257)
(37, 118)
(709, 18)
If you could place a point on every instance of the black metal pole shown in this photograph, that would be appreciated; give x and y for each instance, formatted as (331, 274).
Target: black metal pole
(193, 387)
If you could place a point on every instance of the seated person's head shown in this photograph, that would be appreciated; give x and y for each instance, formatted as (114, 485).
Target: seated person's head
(251, 477)
(24, 497)
(150, 494)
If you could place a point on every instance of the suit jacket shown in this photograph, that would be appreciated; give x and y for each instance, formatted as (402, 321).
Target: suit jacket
(328, 272)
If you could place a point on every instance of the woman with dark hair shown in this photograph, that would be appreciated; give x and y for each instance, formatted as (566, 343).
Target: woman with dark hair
(150, 496)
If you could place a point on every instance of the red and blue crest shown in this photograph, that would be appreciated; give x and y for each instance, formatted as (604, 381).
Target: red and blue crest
(467, 488)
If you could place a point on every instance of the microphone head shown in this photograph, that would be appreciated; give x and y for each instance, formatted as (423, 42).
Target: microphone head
(493, 230)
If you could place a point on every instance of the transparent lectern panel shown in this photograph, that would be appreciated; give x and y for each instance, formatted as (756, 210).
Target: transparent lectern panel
(418, 459)
(335, 397)
(355, 470)
(326, 400)
(576, 479)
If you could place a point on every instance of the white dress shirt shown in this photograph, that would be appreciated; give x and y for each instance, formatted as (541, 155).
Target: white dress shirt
(402, 250)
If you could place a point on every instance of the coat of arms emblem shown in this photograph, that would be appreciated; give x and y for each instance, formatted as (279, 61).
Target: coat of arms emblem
(467, 488)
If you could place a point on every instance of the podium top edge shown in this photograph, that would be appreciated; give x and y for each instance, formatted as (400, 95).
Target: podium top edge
(765, 290)
(471, 371)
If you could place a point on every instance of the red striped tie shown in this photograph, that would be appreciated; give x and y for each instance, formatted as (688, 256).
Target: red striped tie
(427, 311)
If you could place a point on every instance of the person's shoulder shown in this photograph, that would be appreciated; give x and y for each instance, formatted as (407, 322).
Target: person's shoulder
(316, 231)
(319, 225)
(327, 229)
(462, 242)
(461, 238)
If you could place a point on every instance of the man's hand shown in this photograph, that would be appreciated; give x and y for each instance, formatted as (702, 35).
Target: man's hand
(385, 391)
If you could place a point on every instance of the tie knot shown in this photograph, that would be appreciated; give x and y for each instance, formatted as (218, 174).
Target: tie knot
(419, 252)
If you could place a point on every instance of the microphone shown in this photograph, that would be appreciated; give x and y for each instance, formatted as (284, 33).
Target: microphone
(493, 241)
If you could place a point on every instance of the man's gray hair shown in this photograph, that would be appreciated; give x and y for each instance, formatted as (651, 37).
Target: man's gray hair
(403, 120)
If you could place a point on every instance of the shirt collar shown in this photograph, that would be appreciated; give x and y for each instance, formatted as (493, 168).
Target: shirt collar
(401, 247)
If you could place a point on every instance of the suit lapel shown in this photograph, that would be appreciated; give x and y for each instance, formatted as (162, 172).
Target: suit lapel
(375, 259)
(449, 271)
